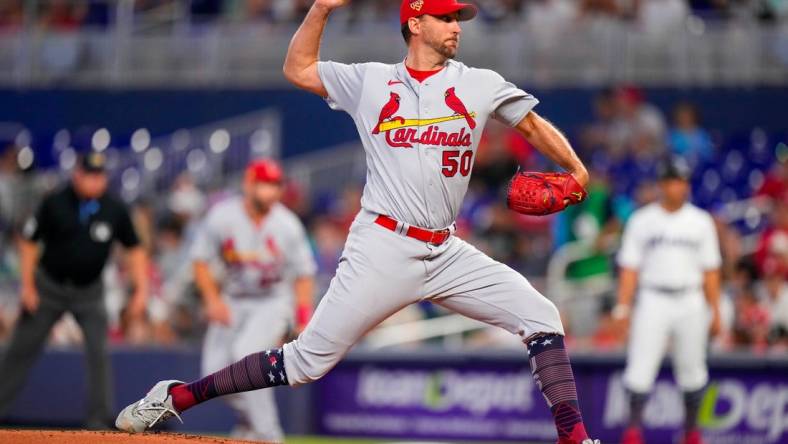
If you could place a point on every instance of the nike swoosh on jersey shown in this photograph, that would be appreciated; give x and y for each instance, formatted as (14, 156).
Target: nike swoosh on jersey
(394, 82)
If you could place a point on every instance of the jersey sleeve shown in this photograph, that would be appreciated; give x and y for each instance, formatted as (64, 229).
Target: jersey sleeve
(300, 259)
(630, 255)
(36, 226)
(510, 103)
(125, 233)
(207, 240)
(343, 83)
(710, 256)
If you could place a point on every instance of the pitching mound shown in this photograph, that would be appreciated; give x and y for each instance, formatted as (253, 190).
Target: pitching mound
(85, 437)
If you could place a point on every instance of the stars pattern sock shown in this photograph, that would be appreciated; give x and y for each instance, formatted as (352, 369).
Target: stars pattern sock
(553, 374)
(256, 371)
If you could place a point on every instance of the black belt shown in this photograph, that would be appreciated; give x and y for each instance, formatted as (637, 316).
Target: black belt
(67, 280)
(671, 291)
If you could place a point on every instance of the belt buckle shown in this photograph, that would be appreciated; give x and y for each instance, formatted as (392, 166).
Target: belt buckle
(438, 233)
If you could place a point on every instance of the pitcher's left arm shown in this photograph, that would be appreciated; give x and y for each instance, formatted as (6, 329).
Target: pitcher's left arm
(545, 137)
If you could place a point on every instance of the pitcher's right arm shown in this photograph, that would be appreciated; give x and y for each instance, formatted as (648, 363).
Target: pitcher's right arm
(300, 66)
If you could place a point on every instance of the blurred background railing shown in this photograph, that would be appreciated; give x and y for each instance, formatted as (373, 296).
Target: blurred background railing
(181, 43)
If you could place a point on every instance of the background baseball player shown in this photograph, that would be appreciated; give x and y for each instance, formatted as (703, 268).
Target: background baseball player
(670, 256)
(267, 259)
(420, 122)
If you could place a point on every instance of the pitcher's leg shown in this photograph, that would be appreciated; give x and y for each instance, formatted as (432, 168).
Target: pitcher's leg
(376, 277)
(471, 283)
(380, 273)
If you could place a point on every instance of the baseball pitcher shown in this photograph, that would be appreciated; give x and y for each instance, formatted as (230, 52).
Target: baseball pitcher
(420, 122)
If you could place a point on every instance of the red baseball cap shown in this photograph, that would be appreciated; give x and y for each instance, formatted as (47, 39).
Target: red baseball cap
(264, 170)
(416, 8)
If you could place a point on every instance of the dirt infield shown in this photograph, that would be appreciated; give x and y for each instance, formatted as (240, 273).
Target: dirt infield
(85, 437)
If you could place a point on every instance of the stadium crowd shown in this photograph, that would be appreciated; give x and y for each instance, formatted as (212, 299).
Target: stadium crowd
(621, 145)
(64, 15)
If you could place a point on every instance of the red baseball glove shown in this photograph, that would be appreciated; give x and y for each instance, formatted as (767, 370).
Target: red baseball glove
(540, 194)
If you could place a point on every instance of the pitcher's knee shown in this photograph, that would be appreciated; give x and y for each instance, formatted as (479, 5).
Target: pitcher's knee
(310, 357)
(542, 317)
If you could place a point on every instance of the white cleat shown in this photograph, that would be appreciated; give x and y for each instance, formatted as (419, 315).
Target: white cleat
(154, 408)
(592, 441)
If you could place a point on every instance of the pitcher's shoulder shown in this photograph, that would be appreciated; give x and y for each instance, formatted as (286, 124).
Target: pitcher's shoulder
(474, 72)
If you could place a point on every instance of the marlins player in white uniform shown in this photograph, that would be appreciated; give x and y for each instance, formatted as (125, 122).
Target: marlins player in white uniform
(268, 264)
(420, 122)
(670, 256)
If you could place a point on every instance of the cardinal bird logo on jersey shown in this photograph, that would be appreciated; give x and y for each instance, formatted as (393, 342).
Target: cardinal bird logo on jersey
(229, 252)
(388, 111)
(404, 132)
(456, 105)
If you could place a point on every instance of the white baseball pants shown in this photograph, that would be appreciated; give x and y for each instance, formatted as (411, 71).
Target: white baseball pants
(661, 320)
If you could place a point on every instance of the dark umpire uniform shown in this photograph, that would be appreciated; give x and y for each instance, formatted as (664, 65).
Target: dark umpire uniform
(63, 251)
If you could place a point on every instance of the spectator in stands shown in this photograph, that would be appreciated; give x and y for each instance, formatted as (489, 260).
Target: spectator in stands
(660, 20)
(608, 8)
(595, 137)
(63, 15)
(638, 126)
(593, 224)
(774, 291)
(686, 138)
(772, 251)
(9, 171)
(775, 184)
(12, 15)
(752, 321)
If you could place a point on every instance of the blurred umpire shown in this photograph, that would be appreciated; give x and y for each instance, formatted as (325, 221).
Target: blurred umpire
(63, 250)
(670, 257)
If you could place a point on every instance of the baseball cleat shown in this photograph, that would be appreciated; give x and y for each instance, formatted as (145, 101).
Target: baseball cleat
(154, 408)
(632, 435)
(693, 437)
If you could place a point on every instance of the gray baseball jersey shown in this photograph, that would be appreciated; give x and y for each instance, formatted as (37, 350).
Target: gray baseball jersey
(257, 258)
(420, 138)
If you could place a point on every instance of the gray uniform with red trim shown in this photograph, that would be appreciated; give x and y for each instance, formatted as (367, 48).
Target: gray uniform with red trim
(420, 141)
(260, 263)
